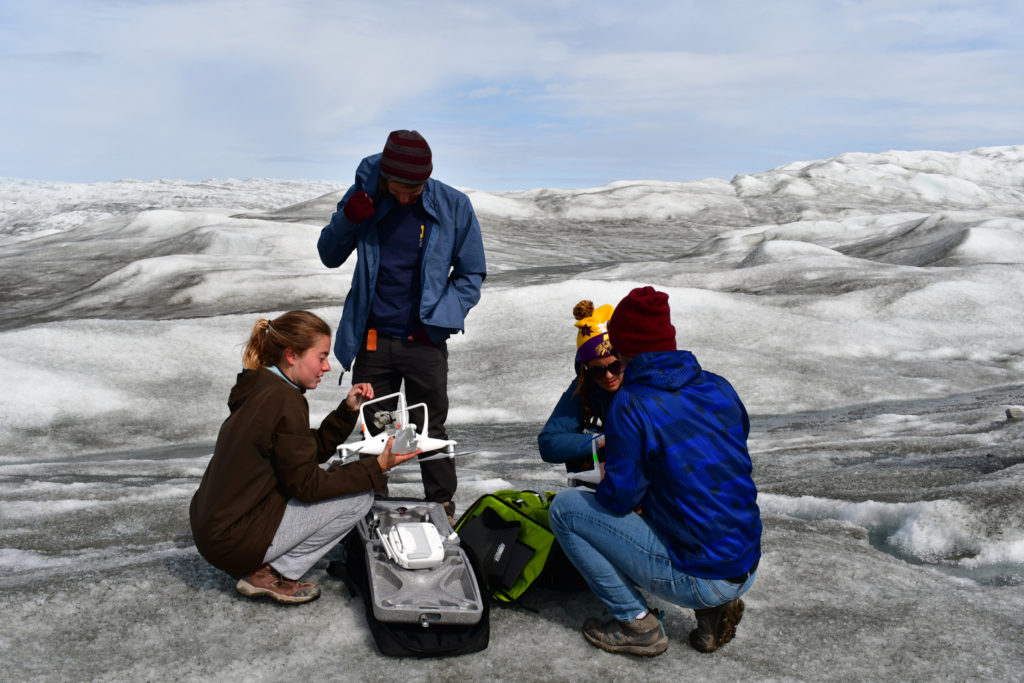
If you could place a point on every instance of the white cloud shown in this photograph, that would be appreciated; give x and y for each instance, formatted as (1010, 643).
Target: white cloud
(214, 87)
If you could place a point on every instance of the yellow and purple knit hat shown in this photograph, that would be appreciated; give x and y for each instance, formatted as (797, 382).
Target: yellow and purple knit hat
(592, 335)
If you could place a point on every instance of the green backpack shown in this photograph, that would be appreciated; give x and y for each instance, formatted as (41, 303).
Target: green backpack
(510, 535)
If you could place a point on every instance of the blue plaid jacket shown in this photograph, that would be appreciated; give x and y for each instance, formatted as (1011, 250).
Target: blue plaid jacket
(677, 448)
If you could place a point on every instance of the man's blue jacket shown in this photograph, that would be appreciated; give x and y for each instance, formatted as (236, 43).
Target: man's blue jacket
(676, 447)
(453, 266)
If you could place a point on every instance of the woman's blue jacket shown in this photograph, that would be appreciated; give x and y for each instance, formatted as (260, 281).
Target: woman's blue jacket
(563, 439)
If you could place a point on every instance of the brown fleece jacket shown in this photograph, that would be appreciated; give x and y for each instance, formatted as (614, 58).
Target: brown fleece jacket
(265, 455)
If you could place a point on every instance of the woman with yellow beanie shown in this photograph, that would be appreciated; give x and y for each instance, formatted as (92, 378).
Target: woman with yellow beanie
(578, 418)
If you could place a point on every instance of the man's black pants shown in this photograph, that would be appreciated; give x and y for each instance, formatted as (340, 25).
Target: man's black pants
(425, 370)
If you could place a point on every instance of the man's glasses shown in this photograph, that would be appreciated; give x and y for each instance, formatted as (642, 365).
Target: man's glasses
(600, 371)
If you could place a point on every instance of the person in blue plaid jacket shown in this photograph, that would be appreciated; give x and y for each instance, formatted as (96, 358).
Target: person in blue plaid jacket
(675, 513)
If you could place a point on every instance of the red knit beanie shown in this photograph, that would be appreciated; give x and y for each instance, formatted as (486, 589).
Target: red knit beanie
(406, 158)
(642, 323)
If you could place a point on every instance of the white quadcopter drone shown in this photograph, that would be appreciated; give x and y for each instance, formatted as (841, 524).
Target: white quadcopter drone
(396, 423)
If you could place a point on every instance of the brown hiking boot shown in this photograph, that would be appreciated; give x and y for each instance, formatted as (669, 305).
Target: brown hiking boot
(645, 637)
(716, 626)
(267, 581)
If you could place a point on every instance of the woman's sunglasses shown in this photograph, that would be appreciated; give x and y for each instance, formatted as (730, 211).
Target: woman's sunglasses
(599, 371)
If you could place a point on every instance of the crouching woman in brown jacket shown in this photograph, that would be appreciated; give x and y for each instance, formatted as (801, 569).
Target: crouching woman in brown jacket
(266, 511)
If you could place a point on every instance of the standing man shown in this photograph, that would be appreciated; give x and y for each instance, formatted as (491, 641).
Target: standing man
(419, 269)
(676, 512)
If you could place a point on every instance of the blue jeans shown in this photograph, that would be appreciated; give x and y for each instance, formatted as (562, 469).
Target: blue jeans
(617, 555)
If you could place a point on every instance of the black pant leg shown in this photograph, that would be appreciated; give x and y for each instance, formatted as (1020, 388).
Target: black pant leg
(425, 370)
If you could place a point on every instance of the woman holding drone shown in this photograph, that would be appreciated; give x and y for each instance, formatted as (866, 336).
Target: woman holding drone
(266, 511)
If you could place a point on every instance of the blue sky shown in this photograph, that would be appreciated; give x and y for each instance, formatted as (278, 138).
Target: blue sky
(510, 95)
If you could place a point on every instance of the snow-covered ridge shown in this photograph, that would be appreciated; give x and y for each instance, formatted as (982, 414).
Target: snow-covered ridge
(848, 184)
(30, 207)
(845, 185)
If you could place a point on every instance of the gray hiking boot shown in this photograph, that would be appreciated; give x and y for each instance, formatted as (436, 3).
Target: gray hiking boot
(645, 637)
(716, 626)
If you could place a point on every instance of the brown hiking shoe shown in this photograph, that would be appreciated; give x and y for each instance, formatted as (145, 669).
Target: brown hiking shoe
(267, 581)
(645, 637)
(716, 626)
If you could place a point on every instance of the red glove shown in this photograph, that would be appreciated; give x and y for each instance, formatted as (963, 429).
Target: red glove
(359, 207)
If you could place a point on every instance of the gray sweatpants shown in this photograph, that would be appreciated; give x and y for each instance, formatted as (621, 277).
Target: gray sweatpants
(309, 530)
